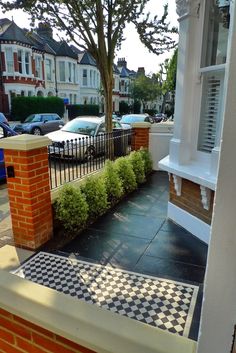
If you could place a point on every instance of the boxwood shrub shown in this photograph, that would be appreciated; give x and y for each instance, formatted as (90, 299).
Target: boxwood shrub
(95, 194)
(71, 208)
(126, 174)
(146, 156)
(137, 162)
(112, 181)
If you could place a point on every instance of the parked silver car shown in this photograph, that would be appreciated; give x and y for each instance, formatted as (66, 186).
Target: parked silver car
(128, 119)
(82, 138)
(39, 124)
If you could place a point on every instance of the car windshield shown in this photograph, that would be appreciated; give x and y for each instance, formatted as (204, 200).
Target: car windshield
(132, 119)
(32, 118)
(81, 127)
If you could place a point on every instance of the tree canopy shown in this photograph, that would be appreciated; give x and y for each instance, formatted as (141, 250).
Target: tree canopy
(97, 26)
(146, 89)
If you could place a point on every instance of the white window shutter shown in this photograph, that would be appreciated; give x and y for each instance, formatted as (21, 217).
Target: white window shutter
(211, 101)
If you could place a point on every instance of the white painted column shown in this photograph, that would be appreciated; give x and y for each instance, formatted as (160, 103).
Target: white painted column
(219, 306)
(188, 53)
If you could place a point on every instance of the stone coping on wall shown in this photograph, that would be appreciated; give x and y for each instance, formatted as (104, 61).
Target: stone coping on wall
(83, 323)
(24, 142)
(141, 125)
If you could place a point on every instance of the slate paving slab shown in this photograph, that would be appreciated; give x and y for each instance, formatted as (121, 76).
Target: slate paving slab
(137, 236)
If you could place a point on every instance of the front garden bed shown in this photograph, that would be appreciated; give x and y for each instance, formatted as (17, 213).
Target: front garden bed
(76, 208)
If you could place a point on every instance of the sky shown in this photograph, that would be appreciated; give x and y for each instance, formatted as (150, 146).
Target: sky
(132, 49)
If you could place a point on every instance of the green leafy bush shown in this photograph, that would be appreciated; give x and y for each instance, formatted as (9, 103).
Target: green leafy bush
(24, 106)
(126, 174)
(146, 156)
(75, 110)
(96, 196)
(71, 208)
(124, 107)
(112, 181)
(138, 166)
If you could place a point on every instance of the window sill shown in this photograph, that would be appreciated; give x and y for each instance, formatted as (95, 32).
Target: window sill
(195, 171)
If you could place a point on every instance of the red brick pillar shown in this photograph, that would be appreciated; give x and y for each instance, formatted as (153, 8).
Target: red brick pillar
(28, 189)
(140, 137)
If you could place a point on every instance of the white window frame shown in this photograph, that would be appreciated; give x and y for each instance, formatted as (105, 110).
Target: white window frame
(85, 77)
(62, 77)
(20, 61)
(38, 66)
(9, 58)
(217, 71)
(48, 69)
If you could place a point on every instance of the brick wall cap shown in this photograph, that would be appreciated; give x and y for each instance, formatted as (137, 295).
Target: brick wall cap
(142, 125)
(24, 142)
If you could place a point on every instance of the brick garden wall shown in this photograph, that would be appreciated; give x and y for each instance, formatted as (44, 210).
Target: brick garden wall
(140, 138)
(20, 336)
(29, 197)
(190, 200)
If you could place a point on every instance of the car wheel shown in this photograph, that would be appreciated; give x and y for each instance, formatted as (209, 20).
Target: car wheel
(90, 154)
(36, 131)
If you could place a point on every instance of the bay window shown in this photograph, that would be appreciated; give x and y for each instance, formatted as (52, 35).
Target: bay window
(214, 56)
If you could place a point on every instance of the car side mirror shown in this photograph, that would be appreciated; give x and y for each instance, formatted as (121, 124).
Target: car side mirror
(60, 126)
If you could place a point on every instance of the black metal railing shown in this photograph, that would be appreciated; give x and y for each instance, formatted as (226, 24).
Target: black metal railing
(73, 159)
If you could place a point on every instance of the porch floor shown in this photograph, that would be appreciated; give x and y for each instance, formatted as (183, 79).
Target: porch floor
(136, 237)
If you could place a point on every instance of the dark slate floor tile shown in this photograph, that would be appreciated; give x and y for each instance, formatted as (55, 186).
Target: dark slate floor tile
(170, 269)
(159, 209)
(170, 226)
(106, 248)
(130, 224)
(183, 247)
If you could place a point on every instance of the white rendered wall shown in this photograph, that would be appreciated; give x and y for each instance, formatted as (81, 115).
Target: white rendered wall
(159, 142)
(219, 305)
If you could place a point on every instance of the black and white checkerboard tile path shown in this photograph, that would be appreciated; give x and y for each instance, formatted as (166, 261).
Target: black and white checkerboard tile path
(161, 303)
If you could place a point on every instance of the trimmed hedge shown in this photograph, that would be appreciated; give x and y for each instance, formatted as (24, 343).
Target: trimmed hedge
(75, 110)
(75, 207)
(24, 106)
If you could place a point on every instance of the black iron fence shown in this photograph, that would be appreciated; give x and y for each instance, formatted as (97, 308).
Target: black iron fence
(73, 159)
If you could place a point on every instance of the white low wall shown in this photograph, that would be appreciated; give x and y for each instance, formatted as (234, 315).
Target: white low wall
(159, 141)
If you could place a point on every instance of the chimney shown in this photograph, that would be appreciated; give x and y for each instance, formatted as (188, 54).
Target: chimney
(122, 62)
(45, 30)
(141, 71)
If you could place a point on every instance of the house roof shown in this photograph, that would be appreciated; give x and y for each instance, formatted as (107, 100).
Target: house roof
(76, 50)
(39, 43)
(115, 69)
(65, 50)
(13, 32)
(87, 59)
(124, 72)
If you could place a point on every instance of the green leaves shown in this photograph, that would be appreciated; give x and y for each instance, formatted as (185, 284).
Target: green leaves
(146, 89)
